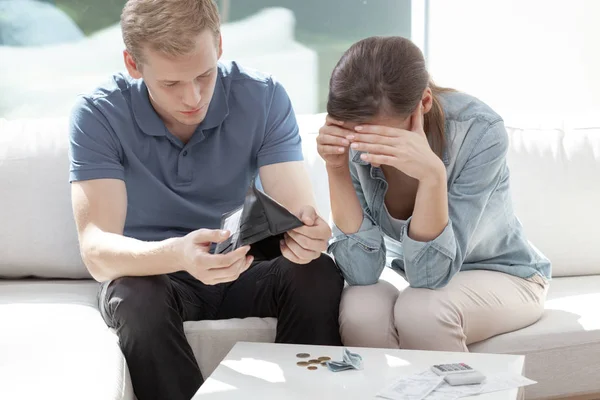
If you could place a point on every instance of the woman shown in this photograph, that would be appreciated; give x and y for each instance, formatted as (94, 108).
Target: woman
(419, 181)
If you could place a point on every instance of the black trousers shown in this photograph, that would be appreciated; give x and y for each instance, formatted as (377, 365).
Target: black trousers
(148, 313)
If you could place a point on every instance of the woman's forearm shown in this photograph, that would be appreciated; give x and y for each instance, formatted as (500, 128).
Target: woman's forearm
(345, 207)
(430, 215)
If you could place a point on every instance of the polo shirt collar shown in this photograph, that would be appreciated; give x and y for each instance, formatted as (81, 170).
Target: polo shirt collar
(218, 109)
(150, 122)
(146, 117)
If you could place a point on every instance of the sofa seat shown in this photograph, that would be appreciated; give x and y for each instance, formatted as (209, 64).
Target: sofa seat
(57, 342)
(53, 340)
(564, 346)
(54, 344)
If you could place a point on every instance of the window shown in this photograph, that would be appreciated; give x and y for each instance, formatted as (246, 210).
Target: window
(51, 50)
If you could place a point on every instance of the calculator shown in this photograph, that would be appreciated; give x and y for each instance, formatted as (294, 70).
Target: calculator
(447, 369)
(458, 374)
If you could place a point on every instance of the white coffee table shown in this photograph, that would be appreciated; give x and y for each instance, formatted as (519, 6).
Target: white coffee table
(269, 371)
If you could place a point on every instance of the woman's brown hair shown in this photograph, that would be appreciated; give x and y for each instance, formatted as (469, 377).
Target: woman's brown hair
(385, 75)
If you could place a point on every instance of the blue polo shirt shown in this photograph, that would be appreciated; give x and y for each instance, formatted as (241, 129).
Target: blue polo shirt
(174, 188)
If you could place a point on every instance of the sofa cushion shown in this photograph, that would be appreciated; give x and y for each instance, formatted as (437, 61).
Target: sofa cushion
(35, 23)
(37, 233)
(556, 191)
(54, 344)
(212, 340)
(309, 129)
(560, 346)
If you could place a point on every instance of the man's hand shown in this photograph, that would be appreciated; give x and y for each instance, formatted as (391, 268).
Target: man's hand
(304, 244)
(212, 269)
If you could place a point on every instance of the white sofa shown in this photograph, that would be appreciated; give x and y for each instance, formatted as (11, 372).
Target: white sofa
(55, 345)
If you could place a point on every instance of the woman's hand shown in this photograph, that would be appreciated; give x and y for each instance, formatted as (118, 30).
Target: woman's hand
(407, 151)
(332, 144)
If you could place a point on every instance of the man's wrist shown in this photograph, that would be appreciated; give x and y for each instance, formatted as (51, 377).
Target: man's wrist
(174, 248)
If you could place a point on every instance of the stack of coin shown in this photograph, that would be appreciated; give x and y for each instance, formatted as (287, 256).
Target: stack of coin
(323, 360)
(312, 363)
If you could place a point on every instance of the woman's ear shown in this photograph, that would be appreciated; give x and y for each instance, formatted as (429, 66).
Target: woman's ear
(427, 100)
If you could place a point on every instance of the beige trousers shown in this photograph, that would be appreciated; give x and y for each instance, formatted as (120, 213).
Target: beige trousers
(474, 306)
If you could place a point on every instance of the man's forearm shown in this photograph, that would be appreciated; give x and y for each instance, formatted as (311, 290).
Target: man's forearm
(345, 208)
(430, 215)
(289, 184)
(110, 256)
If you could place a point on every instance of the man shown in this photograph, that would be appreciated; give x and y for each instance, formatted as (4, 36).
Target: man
(156, 159)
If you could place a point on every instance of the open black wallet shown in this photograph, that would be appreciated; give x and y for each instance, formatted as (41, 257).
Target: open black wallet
(260, 222)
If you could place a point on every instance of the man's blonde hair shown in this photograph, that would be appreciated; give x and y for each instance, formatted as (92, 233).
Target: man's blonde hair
(167, 26)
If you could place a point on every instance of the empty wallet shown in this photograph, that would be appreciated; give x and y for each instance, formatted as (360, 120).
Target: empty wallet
(260, 222)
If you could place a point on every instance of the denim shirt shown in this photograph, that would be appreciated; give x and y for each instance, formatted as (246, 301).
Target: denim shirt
(483, 232)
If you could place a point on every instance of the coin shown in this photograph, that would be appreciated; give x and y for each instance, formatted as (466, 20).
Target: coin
(302, 355)
(324, 364)
(324, 358)
(303, 363)
(312, 367)
(314, 361)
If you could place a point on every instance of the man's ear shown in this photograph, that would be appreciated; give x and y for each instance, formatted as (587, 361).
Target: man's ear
(427, 100)
(220, 47)
(131, 65)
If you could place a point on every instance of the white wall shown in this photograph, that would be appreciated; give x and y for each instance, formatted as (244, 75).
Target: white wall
(525, 58)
